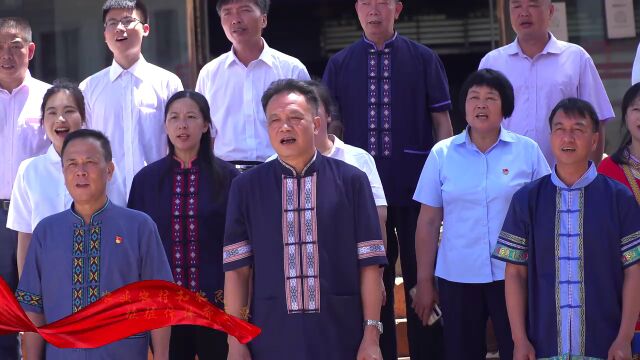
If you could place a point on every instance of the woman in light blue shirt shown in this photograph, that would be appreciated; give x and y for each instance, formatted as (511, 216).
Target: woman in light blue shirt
(466, 185)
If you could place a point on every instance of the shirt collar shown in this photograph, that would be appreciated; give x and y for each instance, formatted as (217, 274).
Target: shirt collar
(463, 137)
(136, 69)
(387, 44)
(92, 222)
(308, 169)
(585, 180)
(266, 56)
(52, 155)
(337, 143)
(26, 83)
(553, 46)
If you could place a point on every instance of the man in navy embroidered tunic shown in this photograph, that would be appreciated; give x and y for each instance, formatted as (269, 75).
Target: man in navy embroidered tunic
(93, 248)
(571, 241)
(393, 98)
(307, 226)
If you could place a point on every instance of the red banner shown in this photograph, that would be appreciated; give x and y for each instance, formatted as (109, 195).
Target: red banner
(132, 309)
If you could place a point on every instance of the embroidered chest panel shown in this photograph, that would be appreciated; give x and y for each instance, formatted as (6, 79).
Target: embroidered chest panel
(300, 239)
(379, 102)
(185, 253)
(87, 243)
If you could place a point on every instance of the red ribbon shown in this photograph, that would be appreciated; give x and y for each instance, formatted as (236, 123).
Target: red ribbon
(132, 309)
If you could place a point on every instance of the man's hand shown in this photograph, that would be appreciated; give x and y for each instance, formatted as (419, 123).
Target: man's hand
(425, 298)
(620, 350)
(523, 350)
(370, 345)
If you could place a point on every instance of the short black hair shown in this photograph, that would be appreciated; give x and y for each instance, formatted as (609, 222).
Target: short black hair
(324, 98)
(18, 25)
(493, 79)
(89, 134)
(620, 156)
(263, 5)
(126, 4)
(64, 85)
(291, 86)
(576, 107)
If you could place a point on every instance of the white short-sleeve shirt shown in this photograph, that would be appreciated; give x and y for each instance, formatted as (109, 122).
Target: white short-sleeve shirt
(560, 71)
(127, 105)
(21, 135)
(234, 92)
(39, 191)
(474, 189)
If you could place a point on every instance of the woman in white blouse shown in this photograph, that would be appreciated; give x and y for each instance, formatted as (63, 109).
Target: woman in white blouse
(466, 185)
(39, 189)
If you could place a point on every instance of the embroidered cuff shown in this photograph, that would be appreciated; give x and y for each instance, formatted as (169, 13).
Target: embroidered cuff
(507, 253)
(367, 249)
(630, 249)
(233, 254)
(29, 300)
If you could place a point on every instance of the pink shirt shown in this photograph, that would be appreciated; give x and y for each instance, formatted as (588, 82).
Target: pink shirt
(560, 71)
(20, 130)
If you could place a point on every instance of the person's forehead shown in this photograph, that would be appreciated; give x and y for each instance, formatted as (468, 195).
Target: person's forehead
(563, 118)
(288, 99)
(117, 13)
(83, 147)
(11, 36)
(239, 3)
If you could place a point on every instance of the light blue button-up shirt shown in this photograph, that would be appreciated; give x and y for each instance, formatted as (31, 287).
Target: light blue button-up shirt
(475, 189)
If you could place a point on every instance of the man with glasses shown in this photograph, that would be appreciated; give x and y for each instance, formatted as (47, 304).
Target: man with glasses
(22, 137)
(126, 100)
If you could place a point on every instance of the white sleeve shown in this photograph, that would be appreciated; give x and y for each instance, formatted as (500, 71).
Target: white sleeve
(368, 165)
(20, 208)
(635, 71)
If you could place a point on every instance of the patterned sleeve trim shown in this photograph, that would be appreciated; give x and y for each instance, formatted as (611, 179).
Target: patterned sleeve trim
(369, 249)
(630, 249)
(28, 298)
(510, 238)
(237, 251)
(511, 248)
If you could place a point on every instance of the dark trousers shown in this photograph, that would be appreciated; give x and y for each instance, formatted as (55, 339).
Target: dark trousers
(425, 342)
(9, 349)
(187, 341)
(465, 310)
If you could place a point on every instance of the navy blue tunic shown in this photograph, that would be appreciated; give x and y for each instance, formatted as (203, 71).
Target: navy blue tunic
(385, 99)
(306, 236)
(189, 208)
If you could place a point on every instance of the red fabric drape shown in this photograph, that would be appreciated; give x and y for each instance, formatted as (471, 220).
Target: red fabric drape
(132, 309)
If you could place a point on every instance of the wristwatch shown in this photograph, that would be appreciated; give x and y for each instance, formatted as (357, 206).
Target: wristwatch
(375, 323)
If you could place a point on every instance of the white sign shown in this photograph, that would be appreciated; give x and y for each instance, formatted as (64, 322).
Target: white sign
(558, 25)
(620, 19)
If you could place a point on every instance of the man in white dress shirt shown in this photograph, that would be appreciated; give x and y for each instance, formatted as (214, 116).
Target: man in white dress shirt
(233, 83)
(126, 100)
(22, 137)
(543, 71)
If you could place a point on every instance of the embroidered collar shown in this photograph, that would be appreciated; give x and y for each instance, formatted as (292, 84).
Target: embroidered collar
(288, 170)
(554, 46)
(98, 212)
(266, 56)
(185, 165)
(387, 44)
(136, 69)
(585, 180)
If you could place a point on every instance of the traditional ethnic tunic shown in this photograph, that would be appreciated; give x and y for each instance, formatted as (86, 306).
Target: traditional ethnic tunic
(576, 242)
(189, 207)
(386, 98)
(71, 264)
(306, 236)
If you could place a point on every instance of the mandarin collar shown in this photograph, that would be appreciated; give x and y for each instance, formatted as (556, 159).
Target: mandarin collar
(310, 168)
